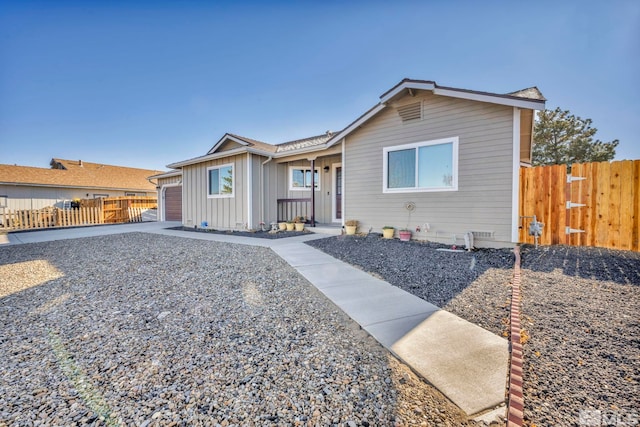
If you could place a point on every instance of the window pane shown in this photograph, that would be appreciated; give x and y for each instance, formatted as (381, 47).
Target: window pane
(214, 181)
(401, 169)
(307, 178)
(297, 178)
(226, 180)
(435, 166)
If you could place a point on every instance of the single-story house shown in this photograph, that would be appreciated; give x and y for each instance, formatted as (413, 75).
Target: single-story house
(25, 187)
(440, 161)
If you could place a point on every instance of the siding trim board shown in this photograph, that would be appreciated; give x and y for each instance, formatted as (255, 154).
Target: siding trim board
(515, 183)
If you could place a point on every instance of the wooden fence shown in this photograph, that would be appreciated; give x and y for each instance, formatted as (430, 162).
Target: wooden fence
(48, 217)
(116, 209)
(90, 212)
(598, 204)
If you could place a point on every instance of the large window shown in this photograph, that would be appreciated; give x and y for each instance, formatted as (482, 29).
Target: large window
(220, 181)
(422, 166)
(300, 178)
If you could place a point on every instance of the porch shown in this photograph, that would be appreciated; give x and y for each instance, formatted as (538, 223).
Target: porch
(311, 189)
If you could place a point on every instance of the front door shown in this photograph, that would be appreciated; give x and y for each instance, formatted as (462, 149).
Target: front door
(337, 191)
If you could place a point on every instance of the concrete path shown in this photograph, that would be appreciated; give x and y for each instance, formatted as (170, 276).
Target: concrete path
(467, 363)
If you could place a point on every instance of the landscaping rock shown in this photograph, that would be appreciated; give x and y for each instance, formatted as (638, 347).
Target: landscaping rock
(143, 329)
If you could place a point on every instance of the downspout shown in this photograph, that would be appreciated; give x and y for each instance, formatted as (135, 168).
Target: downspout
(262, 187)
(313, 192)
(249, 194)
(344, 171)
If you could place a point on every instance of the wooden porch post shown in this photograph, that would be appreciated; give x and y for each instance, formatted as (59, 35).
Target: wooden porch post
(313, 192)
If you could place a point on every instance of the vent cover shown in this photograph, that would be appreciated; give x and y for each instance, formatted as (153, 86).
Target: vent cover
(482, 234)
(410, 111)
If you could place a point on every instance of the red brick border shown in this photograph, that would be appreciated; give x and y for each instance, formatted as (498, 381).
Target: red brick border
(515, 411)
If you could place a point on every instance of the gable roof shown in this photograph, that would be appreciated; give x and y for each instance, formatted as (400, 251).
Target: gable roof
(530, 98)
(79, 174)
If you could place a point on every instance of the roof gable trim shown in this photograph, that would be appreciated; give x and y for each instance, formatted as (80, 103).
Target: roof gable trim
(503, 100)
(224, 138)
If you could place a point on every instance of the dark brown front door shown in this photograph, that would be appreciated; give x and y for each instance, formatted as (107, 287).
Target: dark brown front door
(338, 192)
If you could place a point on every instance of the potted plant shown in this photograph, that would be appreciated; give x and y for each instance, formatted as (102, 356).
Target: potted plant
(289, 225)
(282, 226)
(388, 232)
(351, 225)
(299, 223)
(405, 235)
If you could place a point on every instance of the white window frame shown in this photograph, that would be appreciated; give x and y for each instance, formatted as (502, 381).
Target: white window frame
(233, 182)
(303, 168)
(416, 145)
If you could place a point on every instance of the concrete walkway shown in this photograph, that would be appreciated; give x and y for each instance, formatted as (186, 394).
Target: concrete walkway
(467, 363)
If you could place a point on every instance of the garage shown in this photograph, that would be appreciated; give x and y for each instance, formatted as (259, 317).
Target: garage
(173, 203)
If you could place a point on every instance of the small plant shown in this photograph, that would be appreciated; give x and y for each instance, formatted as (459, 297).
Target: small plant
(388, 227)
(351, 223)
(299, 220)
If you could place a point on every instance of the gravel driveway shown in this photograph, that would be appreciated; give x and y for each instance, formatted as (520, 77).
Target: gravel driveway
(141, 329)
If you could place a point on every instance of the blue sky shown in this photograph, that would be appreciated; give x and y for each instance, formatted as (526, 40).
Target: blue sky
(144, 84)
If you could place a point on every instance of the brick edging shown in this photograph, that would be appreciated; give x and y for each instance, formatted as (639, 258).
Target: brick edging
(515, 409)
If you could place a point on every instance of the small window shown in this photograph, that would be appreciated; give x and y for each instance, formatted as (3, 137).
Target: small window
(129, 194)
(3, 201)
(422, 166)
(220, 181)
(300, 179)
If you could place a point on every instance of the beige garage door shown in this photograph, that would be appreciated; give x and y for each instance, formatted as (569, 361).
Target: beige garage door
(173, 203)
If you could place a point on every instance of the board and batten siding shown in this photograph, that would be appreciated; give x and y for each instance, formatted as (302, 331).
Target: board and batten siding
(324, 196)
(483, 201)
(227, 213)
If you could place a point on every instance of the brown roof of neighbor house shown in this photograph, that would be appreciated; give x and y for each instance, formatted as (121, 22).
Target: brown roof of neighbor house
(77, 173)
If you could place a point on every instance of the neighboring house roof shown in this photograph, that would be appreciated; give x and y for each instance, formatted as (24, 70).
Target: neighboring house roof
(79, 174)
(530, 98)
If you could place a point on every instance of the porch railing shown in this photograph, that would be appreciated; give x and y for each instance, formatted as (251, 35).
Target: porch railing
(288, 209)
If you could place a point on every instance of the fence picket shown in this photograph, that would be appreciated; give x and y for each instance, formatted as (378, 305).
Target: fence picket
(610, 194)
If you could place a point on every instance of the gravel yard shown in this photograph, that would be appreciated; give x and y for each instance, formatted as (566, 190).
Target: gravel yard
(141, 329)
(581, 309)
(472, 285)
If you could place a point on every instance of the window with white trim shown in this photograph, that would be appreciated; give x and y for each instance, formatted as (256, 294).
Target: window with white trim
(421, 166)
(300, 178)
(220, 181)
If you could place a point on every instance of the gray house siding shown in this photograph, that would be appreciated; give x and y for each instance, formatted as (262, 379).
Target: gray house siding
(324, 196)
(483, 201)
(223, 213)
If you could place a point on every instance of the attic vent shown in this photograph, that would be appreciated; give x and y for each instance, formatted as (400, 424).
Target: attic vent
(410, 111)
